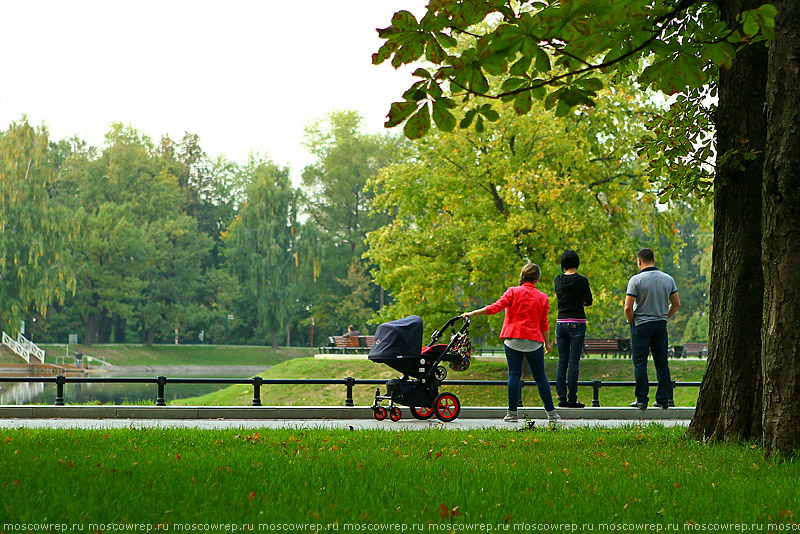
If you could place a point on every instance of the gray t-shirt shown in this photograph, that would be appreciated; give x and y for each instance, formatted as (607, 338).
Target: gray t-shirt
(651, 288)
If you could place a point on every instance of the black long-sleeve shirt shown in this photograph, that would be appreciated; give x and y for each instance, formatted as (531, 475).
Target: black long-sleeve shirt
(573, 293)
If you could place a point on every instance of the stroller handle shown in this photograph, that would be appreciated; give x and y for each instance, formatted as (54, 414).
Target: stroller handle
(451, 323)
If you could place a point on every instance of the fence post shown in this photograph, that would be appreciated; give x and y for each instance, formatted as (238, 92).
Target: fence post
(596, 393)
(349, 382)
(161, 380)
(257, 381)
(60, 381)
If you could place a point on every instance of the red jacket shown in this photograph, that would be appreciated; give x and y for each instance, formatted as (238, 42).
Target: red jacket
(526, 312)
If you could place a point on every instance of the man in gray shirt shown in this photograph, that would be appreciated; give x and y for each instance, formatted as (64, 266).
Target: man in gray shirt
(651, 299)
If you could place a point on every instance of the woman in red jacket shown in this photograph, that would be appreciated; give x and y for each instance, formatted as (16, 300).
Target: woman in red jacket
(525, 335)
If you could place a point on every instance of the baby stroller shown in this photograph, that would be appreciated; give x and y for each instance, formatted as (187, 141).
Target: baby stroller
(398, 344)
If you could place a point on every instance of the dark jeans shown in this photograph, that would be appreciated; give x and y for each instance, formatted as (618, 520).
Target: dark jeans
(535, 361)
(651, 337)
(569, 337)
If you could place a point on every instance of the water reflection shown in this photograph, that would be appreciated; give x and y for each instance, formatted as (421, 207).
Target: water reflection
(17, 393)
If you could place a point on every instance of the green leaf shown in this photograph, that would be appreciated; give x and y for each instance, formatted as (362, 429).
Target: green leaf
(446, 40)
(674, 76)
(398, 112)
(542, 62)
(416, 92)
(495, 64)
(590, 84)
(404, 20)
(434, 52)
(563, 109)
(750, 25)
(417, 126)
(467, 120)
(512, 84)
(444, 120)
(491, 114)
(479, 124)
(476, 81)
(384, 52)
(520, 68)
(552, 99)
(523, 103)
(421, 73)
(408, 53)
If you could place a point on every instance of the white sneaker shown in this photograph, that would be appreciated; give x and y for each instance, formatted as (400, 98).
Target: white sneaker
(511, 417)
(553, 417)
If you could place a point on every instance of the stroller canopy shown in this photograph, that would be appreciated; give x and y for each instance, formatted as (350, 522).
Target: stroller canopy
(400, 338)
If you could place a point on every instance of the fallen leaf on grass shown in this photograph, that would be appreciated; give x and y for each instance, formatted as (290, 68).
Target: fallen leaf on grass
(447, 513)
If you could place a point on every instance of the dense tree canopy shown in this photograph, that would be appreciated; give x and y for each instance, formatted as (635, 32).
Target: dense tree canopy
(473, 207)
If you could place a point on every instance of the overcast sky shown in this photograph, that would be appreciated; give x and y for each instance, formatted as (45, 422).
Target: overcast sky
(243, 75)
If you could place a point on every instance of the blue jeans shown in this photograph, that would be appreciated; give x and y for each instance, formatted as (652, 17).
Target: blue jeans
(535, 361)
(569, 337)
(651, 337)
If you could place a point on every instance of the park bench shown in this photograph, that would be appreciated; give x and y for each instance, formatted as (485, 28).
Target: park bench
(698, 350)
(348, 345)
(604, 347)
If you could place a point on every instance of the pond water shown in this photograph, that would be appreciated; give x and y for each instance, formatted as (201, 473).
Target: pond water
(17, 393)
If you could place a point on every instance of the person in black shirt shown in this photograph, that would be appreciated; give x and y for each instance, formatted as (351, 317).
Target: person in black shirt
(573, 293)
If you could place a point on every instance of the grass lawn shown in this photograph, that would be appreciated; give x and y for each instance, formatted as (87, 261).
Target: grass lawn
(315, 395)
(427, 480)
(122, 354)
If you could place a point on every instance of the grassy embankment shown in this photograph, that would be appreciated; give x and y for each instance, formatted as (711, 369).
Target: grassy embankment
(427, 480)
(129, 354)
(334, 395)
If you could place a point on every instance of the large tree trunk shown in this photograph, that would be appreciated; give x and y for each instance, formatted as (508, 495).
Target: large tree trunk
(781, 237)
(729, 405)
(92, 327)
(104, 332)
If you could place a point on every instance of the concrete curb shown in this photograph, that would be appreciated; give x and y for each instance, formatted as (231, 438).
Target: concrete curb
(320, 412)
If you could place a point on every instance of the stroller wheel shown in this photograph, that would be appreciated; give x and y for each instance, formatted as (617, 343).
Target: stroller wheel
(395, 414)
(380, 413)
(440, 373)
(424, 412)
(446, 407)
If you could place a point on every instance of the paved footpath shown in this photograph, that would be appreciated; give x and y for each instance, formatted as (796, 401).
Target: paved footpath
(355, 417)
(353, 424)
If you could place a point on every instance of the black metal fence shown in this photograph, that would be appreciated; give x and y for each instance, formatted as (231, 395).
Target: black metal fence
(257, 382)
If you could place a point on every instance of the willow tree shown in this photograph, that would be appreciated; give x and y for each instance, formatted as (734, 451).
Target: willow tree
(33, 227)
(261, 244)
(552, 51)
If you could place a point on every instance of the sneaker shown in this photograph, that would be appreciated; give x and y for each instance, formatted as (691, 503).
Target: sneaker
(553, 417)
(661, 405)
(511, 417)
(640, 405)
(563, 404)
(575, 404)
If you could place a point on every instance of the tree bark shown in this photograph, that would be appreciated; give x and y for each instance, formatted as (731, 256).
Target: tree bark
(781, 237)
(729, 405)
(92, 328)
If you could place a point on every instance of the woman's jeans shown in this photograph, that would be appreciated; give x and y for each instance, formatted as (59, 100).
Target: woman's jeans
(569, 337)
(536, 364)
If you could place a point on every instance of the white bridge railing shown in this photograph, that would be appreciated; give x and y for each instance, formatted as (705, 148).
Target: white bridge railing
(24, 348)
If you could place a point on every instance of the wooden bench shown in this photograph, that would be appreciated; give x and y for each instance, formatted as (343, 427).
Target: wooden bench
(698, 350)
(605, 347)
(348, 345)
